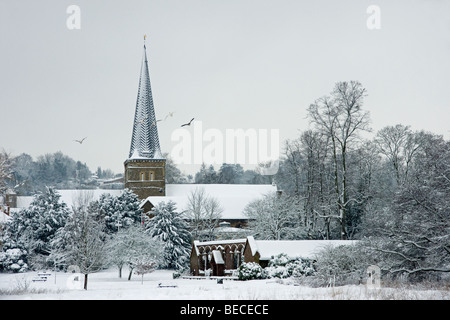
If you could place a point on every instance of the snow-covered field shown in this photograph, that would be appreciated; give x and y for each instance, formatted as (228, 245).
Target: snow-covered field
(107, 285)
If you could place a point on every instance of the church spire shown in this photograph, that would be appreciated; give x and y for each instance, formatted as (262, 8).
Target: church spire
(145, 167)
(144, 139)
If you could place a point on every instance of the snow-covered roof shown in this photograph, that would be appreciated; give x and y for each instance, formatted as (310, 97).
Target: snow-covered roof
(3, 217)
(252, 244)
(24, 201)
(144, 139)
(68, 196)
(293, 248)
(232, 197)
(216, 243)
(218, 257)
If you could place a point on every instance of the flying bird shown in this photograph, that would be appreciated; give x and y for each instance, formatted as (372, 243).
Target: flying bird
(170, 114)
(188, 124)
(80, 141)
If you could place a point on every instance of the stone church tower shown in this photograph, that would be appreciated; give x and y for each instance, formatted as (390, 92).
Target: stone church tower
(145, 166)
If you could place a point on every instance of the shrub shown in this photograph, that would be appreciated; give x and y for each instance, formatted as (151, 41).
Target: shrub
(281, 266)
(341, 265)
(14, 260)
(250, 270)
(301, 267)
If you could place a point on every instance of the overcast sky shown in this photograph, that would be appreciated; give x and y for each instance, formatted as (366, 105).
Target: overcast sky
(231, 64)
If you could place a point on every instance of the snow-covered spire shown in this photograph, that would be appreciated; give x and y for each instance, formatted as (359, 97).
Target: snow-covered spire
(144, 140)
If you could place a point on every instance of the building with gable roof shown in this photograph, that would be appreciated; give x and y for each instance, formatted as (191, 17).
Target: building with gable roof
(222, 257)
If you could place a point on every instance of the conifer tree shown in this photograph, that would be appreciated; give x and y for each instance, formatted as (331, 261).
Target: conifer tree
(167, 226)
(120, 211)
(32, 229)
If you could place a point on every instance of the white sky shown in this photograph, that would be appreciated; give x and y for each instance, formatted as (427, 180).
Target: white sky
(231, 64)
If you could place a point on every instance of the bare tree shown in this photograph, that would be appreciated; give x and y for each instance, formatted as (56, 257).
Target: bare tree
(273, 217)
(340, 117)
(293, 163)
(143, 266)
(314, 147)
(134, 247)
(415, 234)
(81, 241)
(203, 213)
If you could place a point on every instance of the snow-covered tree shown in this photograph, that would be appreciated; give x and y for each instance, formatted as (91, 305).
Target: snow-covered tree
(340, 265)
(133, 247)
(274, 217)
(32, 229)
(144, 266)
(340, 118)
(5, 170)
(203, 213)
(81, 241)
(230, 173)
(119, 211)
(206, 175)
(413, 234)
(173, 174)
(169, 227)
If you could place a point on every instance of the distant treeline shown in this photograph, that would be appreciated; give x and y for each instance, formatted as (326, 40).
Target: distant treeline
(29, 176)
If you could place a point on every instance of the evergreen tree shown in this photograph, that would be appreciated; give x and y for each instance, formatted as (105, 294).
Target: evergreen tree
(168, 226)
(173, 174)
(230, 173)
(33, 228)
(201, 174)
(120, 211)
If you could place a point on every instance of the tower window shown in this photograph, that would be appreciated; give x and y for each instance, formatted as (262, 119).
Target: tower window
(142, 176)
(151, 175)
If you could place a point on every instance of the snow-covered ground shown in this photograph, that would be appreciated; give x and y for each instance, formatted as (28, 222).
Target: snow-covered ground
(107, 285)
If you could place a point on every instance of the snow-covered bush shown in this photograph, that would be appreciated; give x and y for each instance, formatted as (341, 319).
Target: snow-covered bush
(301, 268)
(281, 266)
(250, 270)
(341, 265)
(279, 260)
(13, 260)
(277, 267)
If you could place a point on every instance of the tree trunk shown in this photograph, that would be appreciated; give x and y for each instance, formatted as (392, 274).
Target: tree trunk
(85, 281)
(344, 195)
(131, 272)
